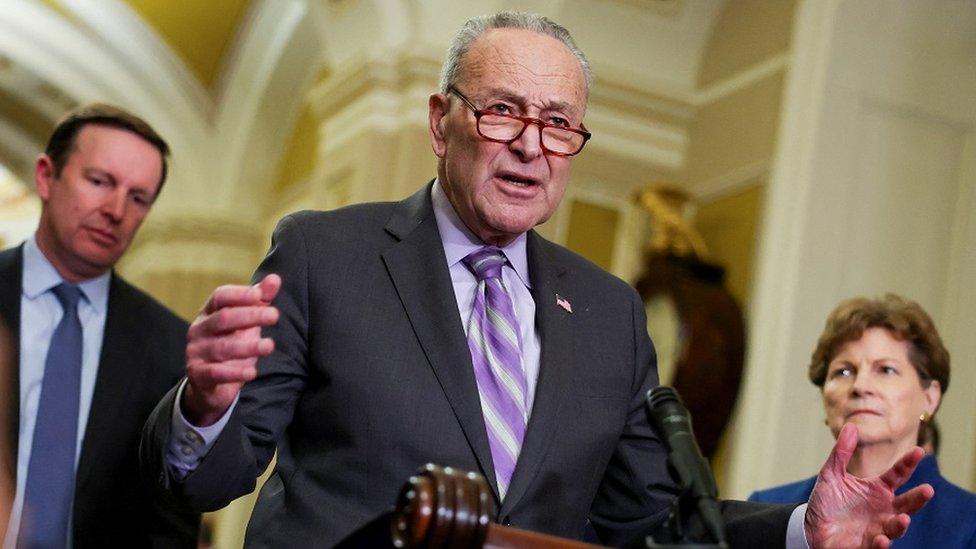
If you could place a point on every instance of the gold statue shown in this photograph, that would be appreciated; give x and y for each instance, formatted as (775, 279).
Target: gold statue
(671, 233)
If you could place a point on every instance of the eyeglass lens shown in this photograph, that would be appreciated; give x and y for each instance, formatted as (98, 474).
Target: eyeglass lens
(504, 128)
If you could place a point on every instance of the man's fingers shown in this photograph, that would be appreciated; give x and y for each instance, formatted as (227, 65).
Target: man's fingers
(210, 374)
(902, 470)
(232, 295)
(914, 499)
(223, 344)
(269, 286)
(896, 526)
(232, 319)
(222, 349)
(880, 541)
(235, 295)
(844, 448)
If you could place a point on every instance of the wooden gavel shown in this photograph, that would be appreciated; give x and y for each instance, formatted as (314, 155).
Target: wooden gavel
(442, 507)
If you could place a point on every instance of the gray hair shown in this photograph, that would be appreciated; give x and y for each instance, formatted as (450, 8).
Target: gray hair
(476, 26)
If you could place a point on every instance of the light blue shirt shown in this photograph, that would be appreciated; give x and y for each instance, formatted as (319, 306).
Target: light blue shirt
(40, 313)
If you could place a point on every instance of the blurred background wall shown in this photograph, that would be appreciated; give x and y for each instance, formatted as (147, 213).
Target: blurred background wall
(828, 146)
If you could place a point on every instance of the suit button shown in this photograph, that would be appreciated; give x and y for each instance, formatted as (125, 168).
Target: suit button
(507, 521)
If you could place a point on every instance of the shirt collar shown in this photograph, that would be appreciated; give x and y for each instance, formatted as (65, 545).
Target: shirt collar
(459, 241)
(40, 276)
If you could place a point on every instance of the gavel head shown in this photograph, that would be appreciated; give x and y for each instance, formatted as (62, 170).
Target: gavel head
(441, 507)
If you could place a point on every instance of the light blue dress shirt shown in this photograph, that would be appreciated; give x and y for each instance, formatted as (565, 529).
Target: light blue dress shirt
(40, 313)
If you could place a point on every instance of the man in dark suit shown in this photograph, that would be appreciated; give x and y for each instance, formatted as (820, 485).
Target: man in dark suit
(89, 368)
(443, 329)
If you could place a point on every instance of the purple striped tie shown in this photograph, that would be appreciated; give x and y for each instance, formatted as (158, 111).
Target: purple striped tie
(496, 352)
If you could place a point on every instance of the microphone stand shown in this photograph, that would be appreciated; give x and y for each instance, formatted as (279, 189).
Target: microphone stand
(683, 525)
(695, 514)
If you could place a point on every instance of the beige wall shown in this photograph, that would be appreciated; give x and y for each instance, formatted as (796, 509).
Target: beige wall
(733, 141)
(734, 132)
(298, 160)
(747, 32)
(592, 232)
(872, 191)
(730, 227)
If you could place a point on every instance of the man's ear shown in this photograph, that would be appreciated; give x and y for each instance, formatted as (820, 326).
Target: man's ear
(43, 176)
(437, 107)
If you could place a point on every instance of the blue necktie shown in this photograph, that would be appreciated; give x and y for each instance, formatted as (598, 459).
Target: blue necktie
(50, 486)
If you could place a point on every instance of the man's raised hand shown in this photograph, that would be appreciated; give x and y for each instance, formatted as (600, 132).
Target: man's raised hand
(223, 346)
(847, 511)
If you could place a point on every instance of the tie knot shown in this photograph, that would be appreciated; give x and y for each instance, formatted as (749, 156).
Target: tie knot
(486, 262)
(68, 295)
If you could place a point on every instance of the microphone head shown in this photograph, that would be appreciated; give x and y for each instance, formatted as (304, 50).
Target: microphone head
(662, 395)
(668, 414)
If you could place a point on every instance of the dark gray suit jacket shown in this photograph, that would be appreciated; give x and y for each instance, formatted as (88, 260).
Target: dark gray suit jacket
(142, 357)
(371, 378)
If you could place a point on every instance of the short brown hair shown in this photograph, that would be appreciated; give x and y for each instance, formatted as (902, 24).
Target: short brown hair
(62, 141)
(903, 318)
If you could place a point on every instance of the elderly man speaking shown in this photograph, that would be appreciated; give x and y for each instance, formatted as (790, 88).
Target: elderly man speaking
(444, 329)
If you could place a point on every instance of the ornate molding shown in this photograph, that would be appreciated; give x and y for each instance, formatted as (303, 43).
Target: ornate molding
(21, 149)
(662, 8)
(235, 233)
(345, 85)
(222, 248)
(732, 181)
(390, 94)
(140, 50)
(742, 80)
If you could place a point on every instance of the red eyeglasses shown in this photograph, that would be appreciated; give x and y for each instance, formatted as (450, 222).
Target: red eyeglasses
(505, 128)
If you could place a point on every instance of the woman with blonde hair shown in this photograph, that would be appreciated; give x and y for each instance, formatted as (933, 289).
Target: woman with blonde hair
(881, 365)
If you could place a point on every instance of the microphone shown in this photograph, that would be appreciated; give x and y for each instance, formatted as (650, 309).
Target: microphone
(670, 419)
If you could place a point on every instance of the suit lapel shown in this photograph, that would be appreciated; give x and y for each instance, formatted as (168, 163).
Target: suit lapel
(555, 332)
(11, 288)
(419, 272)
(118, 377)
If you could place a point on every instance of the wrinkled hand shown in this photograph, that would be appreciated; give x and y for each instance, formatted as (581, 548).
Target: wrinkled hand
(847, 511)
(223, 346)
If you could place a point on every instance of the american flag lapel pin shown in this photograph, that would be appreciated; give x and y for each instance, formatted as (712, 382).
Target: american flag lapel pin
(564, 303)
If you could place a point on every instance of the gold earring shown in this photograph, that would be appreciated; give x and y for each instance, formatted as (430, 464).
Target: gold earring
(924, 417)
